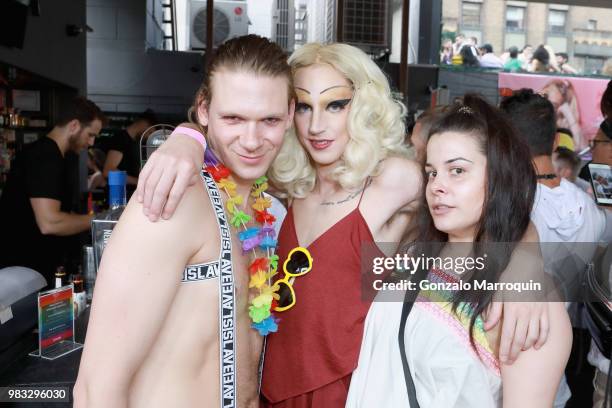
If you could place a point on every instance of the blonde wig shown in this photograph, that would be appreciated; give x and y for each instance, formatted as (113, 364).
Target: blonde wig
(375, 123)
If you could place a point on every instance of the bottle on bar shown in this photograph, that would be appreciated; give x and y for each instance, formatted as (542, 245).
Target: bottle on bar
(60, 277)
(116, 193)
(102, 225)
(79, 296)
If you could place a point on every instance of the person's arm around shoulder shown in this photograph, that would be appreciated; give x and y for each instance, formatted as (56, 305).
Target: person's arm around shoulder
(525, 324)
(390, 202)
(531, 375)
(138, 279)
(399, 183)
(167, 174)
(532, 380)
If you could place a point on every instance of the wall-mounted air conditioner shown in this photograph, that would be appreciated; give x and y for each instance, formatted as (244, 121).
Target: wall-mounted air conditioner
(229, 20)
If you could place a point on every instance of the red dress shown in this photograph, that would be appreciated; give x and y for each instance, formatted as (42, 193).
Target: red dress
(309, 361)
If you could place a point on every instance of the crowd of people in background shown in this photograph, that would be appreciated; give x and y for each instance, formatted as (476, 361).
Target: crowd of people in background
(466, 51)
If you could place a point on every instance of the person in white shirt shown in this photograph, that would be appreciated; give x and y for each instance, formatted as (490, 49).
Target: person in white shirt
(568, 221)
(488, 59)
(458, 44)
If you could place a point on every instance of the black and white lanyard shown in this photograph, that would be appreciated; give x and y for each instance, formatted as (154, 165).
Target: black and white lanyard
(227, 296)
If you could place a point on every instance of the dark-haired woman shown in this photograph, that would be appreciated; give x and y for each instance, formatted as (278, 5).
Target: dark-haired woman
(468, 56)
(480, 189)
(540, 61)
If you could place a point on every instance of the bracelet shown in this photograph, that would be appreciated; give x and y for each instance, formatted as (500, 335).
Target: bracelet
(192, 133)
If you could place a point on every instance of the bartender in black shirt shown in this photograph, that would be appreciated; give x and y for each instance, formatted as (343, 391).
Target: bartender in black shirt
(124, 149)
(35, 204)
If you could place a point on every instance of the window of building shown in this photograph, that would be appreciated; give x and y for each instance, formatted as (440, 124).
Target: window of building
(593, 65)
(470, 14)
(557, 21)
(515, 17)
(592, 25)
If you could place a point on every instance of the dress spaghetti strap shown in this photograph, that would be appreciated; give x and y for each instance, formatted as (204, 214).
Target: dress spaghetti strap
(367, 183)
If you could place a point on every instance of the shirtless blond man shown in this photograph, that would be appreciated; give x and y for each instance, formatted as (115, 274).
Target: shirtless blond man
(159, 323)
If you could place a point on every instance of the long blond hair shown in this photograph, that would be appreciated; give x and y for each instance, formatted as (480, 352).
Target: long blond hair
(375, 123)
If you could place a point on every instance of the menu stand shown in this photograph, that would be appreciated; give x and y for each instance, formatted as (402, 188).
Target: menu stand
(56, 324)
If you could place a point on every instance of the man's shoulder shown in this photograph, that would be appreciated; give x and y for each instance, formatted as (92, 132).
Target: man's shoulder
(190, 224)
(43, 158)
(120, 134)
(567, 213)
(582, 184)
(44, 142)
(44, 146)
(199, 208)
(119, 140)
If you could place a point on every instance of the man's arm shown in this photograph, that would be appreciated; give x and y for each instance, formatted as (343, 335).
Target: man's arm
(52, 221)
(137, 282)
(525, 324)
(113, 158)
(167, 174)
(568, 69)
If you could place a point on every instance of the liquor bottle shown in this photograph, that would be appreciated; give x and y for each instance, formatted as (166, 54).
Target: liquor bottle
(60, 277)
(11, 117)
(102, 225)
(79, 296)
(15, 121)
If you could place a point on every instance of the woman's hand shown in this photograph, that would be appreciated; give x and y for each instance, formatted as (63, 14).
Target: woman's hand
(167, 174)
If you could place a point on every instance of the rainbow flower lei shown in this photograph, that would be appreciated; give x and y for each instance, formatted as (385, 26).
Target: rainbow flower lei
(253, 238)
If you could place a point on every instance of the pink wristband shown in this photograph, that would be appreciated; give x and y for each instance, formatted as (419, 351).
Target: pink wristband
(194, 134)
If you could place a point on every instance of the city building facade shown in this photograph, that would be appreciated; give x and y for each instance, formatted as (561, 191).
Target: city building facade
(584, 33)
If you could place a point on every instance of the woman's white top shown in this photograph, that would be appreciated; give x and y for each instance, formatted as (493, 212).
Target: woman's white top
(445, 368)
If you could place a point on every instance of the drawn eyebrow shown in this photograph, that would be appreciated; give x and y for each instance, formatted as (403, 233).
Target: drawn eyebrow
(332, 87)
(323, 91)
(456, 159)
